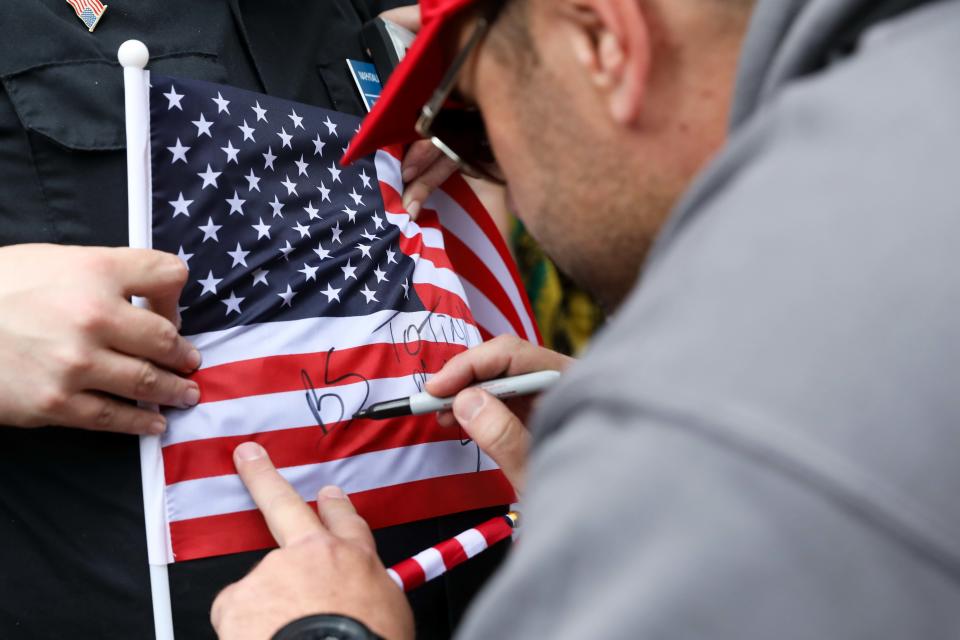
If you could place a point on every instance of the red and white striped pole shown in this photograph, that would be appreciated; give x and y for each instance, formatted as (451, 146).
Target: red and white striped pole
(439, 559)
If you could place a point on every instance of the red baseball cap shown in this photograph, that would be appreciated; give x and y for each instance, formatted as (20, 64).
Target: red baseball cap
(393, 119)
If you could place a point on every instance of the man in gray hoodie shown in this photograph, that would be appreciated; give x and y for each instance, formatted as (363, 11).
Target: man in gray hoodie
(764, 442)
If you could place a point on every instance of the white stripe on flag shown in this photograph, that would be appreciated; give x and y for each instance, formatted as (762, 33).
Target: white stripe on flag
(431, 562)
(472, 542)
(432, 238)
(487, 314)
(365, 472)
(278, 411)
(314, 335)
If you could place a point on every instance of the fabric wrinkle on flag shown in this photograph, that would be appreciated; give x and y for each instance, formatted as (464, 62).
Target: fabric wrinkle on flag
(312, 294)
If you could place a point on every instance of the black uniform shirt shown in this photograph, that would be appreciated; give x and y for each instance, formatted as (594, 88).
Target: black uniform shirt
(73, 558)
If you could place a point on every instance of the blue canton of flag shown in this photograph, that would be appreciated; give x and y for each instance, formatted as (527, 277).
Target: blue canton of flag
(247, 189)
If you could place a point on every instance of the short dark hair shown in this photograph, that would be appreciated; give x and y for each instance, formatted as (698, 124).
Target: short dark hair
(510, 36)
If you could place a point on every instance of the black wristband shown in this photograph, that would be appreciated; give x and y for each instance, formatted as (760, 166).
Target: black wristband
(326, 627)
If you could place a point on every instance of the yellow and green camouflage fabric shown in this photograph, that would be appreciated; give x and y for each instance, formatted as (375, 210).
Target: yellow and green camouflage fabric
(567, 315)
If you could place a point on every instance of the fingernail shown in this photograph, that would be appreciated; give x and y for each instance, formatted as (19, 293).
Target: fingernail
(446, 419)
(409, 174)
(249, 451)
(414, 208)
(191, 397)
(332, 493)
(194, 359)
(468, 405)
(157, 427)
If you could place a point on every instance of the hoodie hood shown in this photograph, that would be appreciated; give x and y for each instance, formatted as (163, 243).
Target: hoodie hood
(789, 39)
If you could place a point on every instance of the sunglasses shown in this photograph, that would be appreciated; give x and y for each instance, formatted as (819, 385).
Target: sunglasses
(458, 130)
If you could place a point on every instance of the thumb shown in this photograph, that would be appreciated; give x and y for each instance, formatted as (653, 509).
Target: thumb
(496, 430)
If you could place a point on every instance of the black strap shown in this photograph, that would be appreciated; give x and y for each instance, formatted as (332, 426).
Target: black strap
(326, 627)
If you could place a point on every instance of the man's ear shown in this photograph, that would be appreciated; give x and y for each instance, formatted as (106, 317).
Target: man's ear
(612, 43)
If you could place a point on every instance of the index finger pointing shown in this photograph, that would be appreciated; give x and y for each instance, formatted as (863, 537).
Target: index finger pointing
(288, 516)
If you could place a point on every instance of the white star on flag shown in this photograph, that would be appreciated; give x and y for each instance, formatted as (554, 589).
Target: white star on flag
(349, 271)
(331, 127)
(277, 207)
(236, 204)
(268, 159)
(371, 296)
(210, 231)
(179, 152)
(231, 152)
(309, 272)
(181, 206)
(297, 120)
(239, 256)
(247, 132)
(174, 99)
(318, 146)
(221, 104)
(288, 296)
(263, 230)
(312, 211)
(331, 293)
(209, 284)
(203, 127)
(233, 303)
(253, 182)
(261, 113)
(209, 177)
(260, 277)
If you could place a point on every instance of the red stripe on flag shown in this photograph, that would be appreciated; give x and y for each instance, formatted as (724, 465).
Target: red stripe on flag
(386, 507)
(411, 573)
(307, 445)
(279, 374)
(495, 531)
(452, 553)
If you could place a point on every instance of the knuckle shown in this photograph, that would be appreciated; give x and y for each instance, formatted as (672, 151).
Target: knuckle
(148, 378)
(506, 342)
(168, 339)
(90, 316)
(179, 272)
(75, 362)
(93, 261)
(53, 402)
(106, 415)
(220, 604)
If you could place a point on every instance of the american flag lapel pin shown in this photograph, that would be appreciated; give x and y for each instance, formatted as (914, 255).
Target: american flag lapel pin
(89, 11)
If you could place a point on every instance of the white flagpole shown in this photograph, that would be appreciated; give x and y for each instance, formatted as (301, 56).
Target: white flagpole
(133, 56)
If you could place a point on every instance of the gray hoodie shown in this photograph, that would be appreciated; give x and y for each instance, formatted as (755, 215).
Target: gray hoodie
(765, 443)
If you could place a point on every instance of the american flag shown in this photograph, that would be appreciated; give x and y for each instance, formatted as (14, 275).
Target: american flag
(89, 11)
(312, 294)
